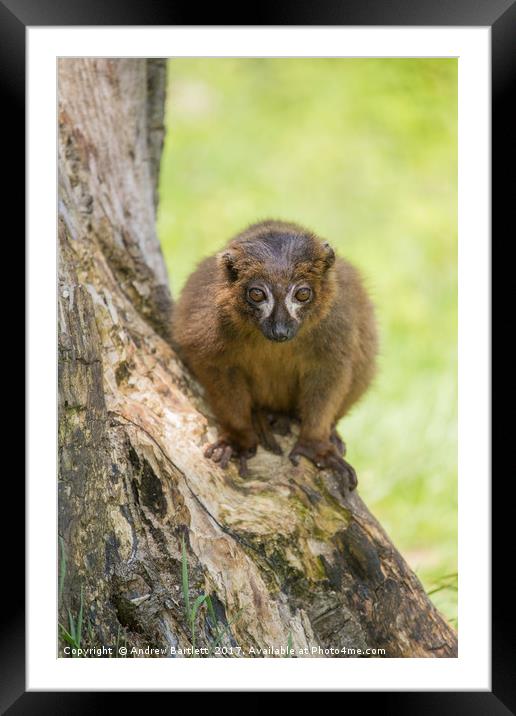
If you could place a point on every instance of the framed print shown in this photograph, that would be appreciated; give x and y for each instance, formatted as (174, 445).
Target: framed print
(263, 254)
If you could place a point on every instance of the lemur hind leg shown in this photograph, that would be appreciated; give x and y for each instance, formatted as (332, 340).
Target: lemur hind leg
(338, 441)
(280, 423)
(264, 430)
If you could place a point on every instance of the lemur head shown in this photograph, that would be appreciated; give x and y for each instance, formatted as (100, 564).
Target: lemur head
(278, 278)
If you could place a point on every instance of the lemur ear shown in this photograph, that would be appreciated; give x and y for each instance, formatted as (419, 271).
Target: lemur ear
(329, 255)
(227, 261)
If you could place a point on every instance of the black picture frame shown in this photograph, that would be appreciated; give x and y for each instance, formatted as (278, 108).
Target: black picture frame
(500, 16)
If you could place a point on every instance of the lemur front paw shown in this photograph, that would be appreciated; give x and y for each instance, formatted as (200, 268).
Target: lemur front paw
(225, 449)
(325, 456)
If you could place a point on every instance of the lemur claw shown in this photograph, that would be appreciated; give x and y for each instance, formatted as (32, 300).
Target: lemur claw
(222, 451)
(325, 456)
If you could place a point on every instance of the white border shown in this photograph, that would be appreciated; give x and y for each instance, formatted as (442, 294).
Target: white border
(472, 669)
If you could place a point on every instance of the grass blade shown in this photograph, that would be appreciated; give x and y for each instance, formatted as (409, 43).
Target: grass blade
(213, 616)
(72, 624)
(79, 620)
(200, 599)
(184, 576)
(62, 569)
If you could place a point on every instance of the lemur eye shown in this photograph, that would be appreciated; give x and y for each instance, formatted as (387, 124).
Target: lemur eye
(256, 295)
(303, 294)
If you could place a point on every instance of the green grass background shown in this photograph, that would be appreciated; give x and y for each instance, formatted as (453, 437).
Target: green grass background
(364, 152)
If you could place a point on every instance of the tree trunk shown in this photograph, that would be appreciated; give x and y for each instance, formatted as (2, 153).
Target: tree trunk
(286, 555)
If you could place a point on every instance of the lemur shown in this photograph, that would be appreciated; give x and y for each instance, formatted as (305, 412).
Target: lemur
(276, 328)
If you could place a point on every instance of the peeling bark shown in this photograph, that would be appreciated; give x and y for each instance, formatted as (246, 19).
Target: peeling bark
(285, 554)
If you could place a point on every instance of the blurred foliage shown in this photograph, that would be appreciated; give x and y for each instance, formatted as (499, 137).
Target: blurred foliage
(364, 152)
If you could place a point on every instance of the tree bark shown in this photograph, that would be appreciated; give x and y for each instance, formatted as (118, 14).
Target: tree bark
(286, 555)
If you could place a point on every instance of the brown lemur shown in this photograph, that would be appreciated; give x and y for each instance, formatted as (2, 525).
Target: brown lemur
(276, 328)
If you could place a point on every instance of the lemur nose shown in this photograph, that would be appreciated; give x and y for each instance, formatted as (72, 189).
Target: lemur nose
(281, 333)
